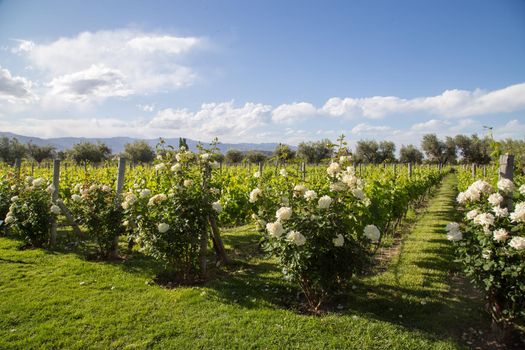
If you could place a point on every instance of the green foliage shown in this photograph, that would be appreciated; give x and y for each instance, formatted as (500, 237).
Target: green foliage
(410, 154)
(283, 153)
(85, 152)
(40, 153)
(11, 149)
(234, 156)
(314, 152)
(139, 152)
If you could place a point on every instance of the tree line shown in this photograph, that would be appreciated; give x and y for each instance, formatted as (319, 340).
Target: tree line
(450, 150)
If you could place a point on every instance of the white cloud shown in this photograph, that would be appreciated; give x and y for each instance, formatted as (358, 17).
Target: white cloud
(289, 113)
(14, 89)
(95, 83)
(451, 103)
(364, 128)
(512, 129)
(146, 108)
(102, 64)
(215, 119)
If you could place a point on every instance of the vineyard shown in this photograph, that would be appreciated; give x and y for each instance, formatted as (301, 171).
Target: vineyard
(341, 244)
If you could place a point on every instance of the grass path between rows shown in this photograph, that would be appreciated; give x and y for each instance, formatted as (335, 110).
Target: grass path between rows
(52, 300)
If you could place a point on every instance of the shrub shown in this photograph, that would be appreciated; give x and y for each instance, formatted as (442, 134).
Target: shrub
(318, 235)
(490, 243)
(31, 211)
(96, 208)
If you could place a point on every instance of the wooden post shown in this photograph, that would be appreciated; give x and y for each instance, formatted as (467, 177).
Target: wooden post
(506, 171)
(32, 168)
(473, 171)
(484, 170)
(303, 171)
(18, 165)
(261, 168)
(56, 185)
(120, 185)
(394, 166)
(409, 170)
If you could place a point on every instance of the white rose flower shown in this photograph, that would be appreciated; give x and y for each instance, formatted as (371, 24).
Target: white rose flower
(455, 236)
(522, 189)
(76, 198)
(284, 213)
(486, 254)
(106, 188)
(205, 156)
(188, 183)
(283, 172)
(500, 212)
(157, 199)
(495, 199)
(372, 233)
(337, 186)
(145, 193)
(506, 185)
(176, 167)
(519, 213)
(310, 195)
(501, 235)
(333, 169)
(324, 202)
(472, 214)
(339, 240)
(482, 186)
(358, 193)
(38, 182)
(296, 237)
(217, 206)
(484, 219)
(14, 198)
(55, 209)
(452, 226)
(29, 180)
(257, 174)
(215, 164)
(254, 195)
(275, 229)
(517, 243)
(299, 190)
(462, 198)
(163, 227)
(160, 166)
(9, 219)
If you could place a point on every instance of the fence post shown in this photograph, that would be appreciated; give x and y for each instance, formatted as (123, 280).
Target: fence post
(409, 170)
(261, 168)
(56, 185)
(18, 165)
(474, 170)
(506, 171)
(484, 170)
(303, 171)
(120, 185)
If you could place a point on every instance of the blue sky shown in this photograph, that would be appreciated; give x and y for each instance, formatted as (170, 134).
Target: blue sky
(262, 71)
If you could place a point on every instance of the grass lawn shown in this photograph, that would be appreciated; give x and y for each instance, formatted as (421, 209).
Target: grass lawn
(60, 300)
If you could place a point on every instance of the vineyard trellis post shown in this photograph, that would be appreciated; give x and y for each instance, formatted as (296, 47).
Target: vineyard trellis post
(303, 171)
(121, 175)
(18, 165)
(409, 170)
(474, 170)
(56, 185)
(506, 171)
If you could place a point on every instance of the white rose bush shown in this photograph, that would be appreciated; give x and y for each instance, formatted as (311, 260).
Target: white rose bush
(490, 243)
(317, 234)
(93, 206)
(30, 211)
(169, 221)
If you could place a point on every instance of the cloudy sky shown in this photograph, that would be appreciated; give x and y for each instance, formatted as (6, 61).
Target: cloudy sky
(262, 71)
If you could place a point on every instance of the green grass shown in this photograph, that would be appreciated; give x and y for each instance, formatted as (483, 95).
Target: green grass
(60, 300)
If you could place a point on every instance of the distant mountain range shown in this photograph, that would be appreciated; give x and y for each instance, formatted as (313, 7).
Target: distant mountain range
(117, 143)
